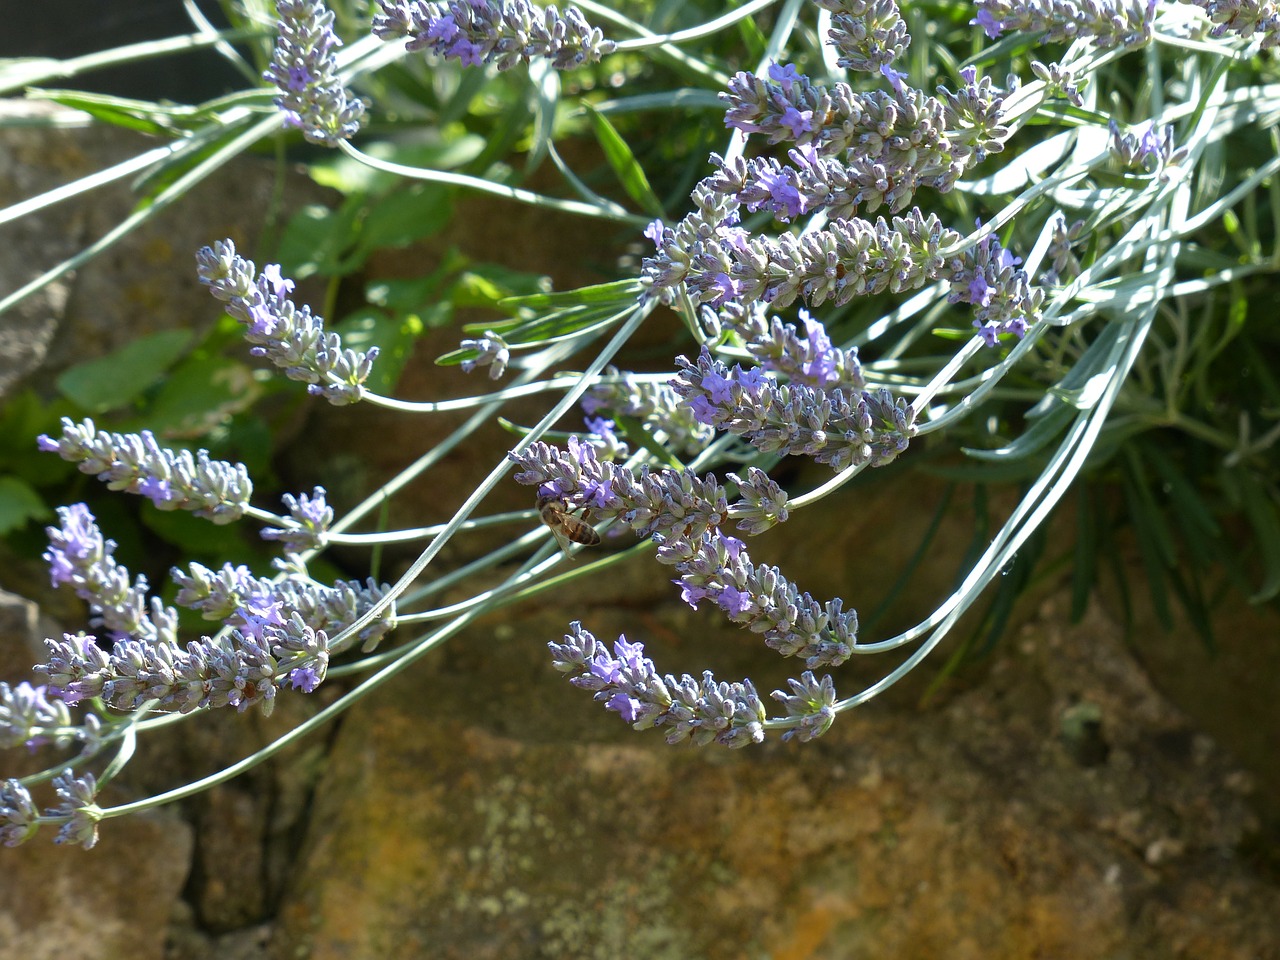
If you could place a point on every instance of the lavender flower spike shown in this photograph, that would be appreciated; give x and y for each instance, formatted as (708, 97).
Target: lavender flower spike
(501, 32)
(706, 711)
(829, 426)
(305, 71)
(238, 669)
(1111, 23)
(79, 555)
(286, 334)
(172, 480)
(868, 34)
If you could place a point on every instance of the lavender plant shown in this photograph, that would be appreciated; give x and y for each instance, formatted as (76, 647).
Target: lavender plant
(886, 242)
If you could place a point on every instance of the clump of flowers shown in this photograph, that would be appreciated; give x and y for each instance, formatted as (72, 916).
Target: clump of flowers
(841, 303)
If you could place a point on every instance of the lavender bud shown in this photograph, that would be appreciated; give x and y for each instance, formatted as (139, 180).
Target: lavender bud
(975, 115)
(604, 437)
(19, 817)
(237, 598)
(1244, 18)
(305, 71)
(763, 504)
(628, 683)
(656, 405)
(812, 702)
(828, 426)
(677, 504)
(78, 808)
(1063, 264)
(783, 105)
(988, 277)
(1151, 151)
(1060, 81)
(312, 518)
(851, 258)
(492, 352)
(761, 599)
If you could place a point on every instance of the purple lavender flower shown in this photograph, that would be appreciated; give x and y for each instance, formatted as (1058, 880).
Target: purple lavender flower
(501, 32)
(812, 703)
(628, 683)
(764, 601)
(135, 462)
(1244, 18)
(774, 104)
(305, 71)
(491, 351)
(863, 148)
(711, 565)
(19, 817)
(1110, 23)
(675, 503)
(797, 420)
(695, 250)
(234, 669)
(1151, 149)
(311, 516)
(79, 555)
(235, 597)
(28, 716)
(705, 711)
(989, 278)
(867, 34)
(287, 335)
(78, 809)
(851, 258)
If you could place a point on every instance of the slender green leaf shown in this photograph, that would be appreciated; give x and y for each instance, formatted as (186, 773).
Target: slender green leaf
(1260, 510)
(617, 291)
(630, 174)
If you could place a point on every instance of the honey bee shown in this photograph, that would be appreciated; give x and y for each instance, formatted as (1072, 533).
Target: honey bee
(564, 525)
